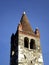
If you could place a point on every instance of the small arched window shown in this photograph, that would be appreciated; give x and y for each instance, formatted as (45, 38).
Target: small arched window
(26, 41)
(32, 44)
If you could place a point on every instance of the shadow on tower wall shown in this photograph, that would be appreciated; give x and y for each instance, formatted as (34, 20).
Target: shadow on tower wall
(14, 49)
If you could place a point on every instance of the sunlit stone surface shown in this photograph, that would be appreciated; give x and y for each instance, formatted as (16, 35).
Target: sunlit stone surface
(12, 52)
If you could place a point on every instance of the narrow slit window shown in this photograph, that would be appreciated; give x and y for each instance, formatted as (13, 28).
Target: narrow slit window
(32, 44)
(26, 41)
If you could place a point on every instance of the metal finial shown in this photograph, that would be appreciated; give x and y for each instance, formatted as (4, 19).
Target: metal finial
(24, 12)
(37, 28)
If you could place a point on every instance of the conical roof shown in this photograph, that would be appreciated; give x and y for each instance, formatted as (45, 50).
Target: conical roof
(25, 24)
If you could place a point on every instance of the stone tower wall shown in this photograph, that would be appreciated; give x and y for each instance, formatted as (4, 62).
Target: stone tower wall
(25, 45)
(27, 56)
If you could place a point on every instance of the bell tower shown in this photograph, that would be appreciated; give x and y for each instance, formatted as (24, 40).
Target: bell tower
(25, 45)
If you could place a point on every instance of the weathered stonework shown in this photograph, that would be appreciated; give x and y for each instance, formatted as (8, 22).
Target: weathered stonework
(33, 56)
(25, 45)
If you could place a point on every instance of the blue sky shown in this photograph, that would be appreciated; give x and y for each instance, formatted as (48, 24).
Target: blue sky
(11, 11)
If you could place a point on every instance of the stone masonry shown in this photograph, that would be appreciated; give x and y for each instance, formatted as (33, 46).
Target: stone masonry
(25, 45)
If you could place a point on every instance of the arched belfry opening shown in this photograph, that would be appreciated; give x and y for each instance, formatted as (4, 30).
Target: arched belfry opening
(32, 44)
(26, 41)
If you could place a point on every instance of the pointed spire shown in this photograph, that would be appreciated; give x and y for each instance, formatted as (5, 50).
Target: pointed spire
(25, 23)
